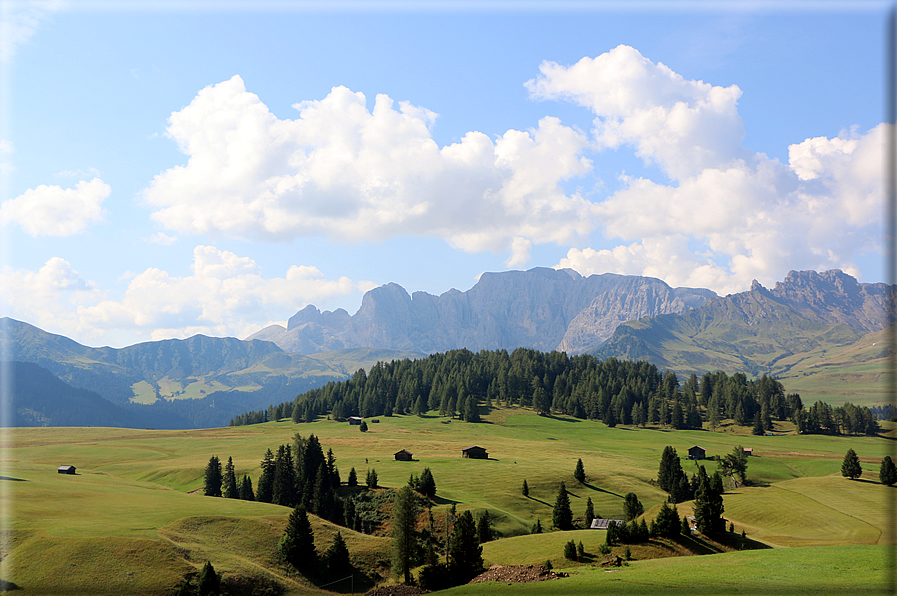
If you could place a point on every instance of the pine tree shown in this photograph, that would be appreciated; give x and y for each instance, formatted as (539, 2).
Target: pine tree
(632, 507)
(537, 527)
(562, 515)
(246, 493)
(404, 525)
(209, 583)
(213, 477)
(297, 546)
(427, 485)
(363, 427)
(371, 480)
(229, 488)
(336, 557)
(758, 425)
(353, 478)
(465, 552)
(266, 480)
(570, 550)
(888, 472)
(525, 488)
(850, 467)
(579, 473)
(708, 505)
(484, 527)
(668, 524)
(590, 512)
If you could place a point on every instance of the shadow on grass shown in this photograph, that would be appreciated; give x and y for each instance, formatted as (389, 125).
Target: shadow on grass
(598, 489)
(540, 501)
(443, 501)
(19, 479)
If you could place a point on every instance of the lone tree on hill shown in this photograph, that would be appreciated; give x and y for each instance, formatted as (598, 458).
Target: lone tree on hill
(426, 484)
(850, 467)
(213, 477)
(562, 516)
(297, 546)
(888, 472)
(735, 464)
(579, 473)
(590, 512)
(353, 478)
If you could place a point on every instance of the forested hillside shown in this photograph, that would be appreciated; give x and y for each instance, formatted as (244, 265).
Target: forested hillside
(459, 382)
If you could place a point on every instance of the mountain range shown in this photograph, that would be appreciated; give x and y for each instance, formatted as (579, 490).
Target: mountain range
(543, 309)
(822, 334)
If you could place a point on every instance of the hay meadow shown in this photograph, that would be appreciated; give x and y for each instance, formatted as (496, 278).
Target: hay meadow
(132, 522)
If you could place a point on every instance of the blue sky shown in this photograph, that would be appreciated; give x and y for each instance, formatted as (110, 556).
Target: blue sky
(176, 168)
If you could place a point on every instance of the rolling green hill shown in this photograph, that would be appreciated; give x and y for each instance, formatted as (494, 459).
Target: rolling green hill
(130, 504)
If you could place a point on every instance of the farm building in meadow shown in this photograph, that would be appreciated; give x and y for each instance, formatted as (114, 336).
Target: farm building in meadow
(355, 420)
(403, 455)
(600, 523)
(65, 470)
(748, 450)
(697, 452)
(475, 453)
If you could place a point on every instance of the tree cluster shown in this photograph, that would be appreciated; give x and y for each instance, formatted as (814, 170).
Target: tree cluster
(424, 484)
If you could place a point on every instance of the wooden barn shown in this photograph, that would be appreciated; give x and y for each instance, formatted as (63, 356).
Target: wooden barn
(748, 450)
(697, 452)
(403, 455)
(355, 420)
(475, 453)
(65, 470)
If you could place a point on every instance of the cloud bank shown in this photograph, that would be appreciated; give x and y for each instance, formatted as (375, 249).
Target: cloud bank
(352, 174)
(224, 296)
(56, 211)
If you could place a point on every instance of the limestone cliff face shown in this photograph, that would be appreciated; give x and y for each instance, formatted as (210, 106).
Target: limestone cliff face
(543, 309)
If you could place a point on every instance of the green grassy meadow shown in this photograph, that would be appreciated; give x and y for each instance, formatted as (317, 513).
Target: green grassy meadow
(129, 510)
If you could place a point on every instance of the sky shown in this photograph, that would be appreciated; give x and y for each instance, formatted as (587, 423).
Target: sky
(174, 168)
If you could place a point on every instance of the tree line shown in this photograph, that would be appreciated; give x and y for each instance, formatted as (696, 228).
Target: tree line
(457, 382)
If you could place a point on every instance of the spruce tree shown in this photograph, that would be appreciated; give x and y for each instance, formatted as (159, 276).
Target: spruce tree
(484, 527)
(229, 487)
(209, 583)
(570, 550)
(888, 472)
(590, 512)
(758, 425)
(371, 480)
(537, 527)
(850, 467)
(427, 485)
(562, 515)
(213, 477)
(297, 545)
(336, 558)
(246, 493)
(668, 524)
(632, 507)
(465, 552)
(353, 478)
(266, 480)
(404, 526)
(708, 505)
(579, 473)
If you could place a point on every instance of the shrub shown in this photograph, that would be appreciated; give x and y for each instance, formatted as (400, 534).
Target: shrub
(570, 551)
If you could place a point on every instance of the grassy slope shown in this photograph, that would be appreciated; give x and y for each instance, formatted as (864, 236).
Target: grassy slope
(132, 485)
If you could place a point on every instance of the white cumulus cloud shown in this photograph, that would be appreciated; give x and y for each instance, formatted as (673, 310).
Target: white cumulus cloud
(353, 174)
(56, 211)
(726, 215)
(225, 295)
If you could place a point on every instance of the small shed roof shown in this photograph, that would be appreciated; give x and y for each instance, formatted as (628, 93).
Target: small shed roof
(403, 451)
(697, 447)
(600, 523)
(69, 469)
(473, 447)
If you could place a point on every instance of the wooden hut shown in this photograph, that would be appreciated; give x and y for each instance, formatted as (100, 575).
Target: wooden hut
(403, 455)
(354, 420)
(697, 452)
(65, 470)
(475, 452)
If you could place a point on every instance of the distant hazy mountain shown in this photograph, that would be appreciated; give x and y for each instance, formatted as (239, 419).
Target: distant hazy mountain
(543, 309)
(761, 330)
(200, 381)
